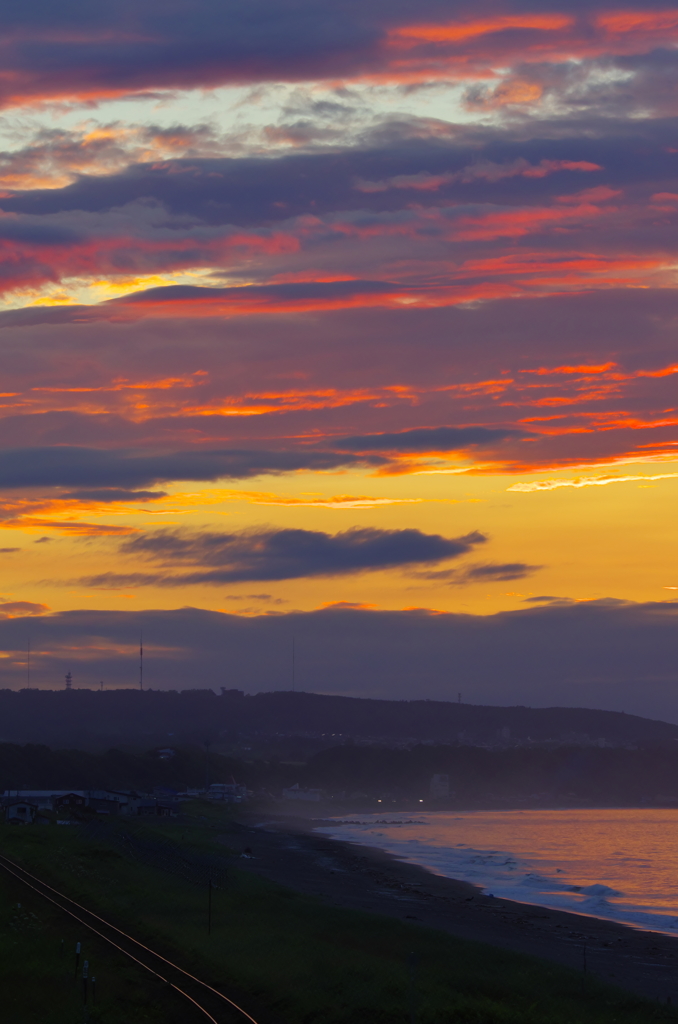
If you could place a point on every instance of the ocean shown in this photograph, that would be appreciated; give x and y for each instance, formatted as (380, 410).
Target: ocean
(615, 864)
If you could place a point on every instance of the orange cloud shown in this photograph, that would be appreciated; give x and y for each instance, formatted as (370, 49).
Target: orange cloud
(74, 528)
(487, 47)
(20, 609)
(639, 22)
(585, 368)
(615, 421)
(123, 384)
(515, 223)
(410, 35)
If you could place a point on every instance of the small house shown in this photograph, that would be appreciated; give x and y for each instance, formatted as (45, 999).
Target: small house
(68, 800)
(20, 812)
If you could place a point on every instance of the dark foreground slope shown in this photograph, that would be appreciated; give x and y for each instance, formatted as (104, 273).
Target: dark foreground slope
(288, 956)
(96, 719)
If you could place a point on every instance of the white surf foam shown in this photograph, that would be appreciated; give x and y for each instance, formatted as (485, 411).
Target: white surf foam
(537, 864)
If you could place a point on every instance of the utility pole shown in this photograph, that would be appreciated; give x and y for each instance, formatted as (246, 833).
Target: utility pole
(209, 907)
(412, 964)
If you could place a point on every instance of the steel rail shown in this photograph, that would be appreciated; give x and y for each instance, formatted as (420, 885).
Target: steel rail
(125, 952)
(4, 861)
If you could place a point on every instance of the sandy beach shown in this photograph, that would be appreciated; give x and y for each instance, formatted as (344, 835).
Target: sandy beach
(287, 850)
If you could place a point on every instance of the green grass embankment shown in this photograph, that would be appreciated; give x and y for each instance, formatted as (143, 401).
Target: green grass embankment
(305, 962)
(39, 983)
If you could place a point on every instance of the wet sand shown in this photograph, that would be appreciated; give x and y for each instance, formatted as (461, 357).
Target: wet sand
(287, 851)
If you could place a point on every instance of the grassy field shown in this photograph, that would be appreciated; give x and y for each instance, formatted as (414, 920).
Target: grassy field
(301, 961)
(39, 982)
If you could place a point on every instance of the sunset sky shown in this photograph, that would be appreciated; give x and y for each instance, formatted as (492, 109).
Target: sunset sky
(346, 322)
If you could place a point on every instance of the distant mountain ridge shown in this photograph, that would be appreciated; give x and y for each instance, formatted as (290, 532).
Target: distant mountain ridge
(95, 719)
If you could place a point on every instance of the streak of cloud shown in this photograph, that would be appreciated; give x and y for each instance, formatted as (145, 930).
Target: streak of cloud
(69, 466)
(261, 554)
(591, 481)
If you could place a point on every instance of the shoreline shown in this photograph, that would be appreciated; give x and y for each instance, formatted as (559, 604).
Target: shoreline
(654, 925)
(342, 873)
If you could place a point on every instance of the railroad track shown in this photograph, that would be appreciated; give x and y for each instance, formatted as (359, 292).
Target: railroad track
(207, 1000)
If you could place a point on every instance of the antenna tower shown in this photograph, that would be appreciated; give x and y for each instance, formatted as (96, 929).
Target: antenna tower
(293, 665)
(69, 680)
(141, 661)
(28, 664)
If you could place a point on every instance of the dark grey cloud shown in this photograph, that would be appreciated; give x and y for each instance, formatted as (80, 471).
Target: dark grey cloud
(491, 572)
(258, 191)
(35, 315)
(77, 49)
(8, 551)
(35, 233)
(94, 468)
(427, 439)
(507, 571)
(305, 290)
(601, 654)
(253, 190)
(113, 494)
(278, 554)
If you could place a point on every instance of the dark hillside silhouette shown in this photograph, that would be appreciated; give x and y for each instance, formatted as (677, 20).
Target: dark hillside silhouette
(93, 719)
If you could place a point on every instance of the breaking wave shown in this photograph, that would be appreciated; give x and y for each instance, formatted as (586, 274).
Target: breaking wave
(621, 865)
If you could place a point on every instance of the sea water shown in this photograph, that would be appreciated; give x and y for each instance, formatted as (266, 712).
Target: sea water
(616, 864)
